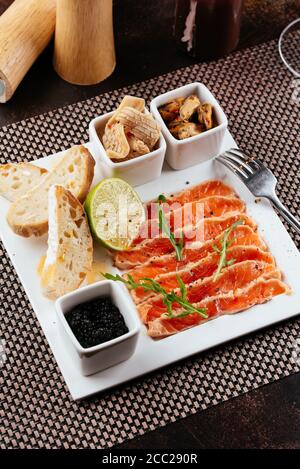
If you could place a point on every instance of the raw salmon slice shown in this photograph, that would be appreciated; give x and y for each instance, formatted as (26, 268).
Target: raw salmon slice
(190, 213)
(230, 279)
(205, 189)
(203, 268)
(255, 293)
(243, 235)
(206, 229)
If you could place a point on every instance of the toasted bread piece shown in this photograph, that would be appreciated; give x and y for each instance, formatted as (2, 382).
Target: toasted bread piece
(28, 215)
(16, 179)
(70, 246)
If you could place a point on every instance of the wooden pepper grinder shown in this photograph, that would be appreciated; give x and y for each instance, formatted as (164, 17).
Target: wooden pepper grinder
(26, 28)
(84, 52)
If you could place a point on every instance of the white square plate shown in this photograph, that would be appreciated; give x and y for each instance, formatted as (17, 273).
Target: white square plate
(151, 355)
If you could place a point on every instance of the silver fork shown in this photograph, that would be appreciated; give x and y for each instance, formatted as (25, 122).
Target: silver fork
(258, 179)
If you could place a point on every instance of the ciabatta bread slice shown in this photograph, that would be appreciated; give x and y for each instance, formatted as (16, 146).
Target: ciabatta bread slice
(70, 246)
(28, 215)
(16, 179)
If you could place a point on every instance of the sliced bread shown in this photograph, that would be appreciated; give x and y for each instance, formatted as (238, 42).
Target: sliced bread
(70, 246)
(28, 215)
(16, 179)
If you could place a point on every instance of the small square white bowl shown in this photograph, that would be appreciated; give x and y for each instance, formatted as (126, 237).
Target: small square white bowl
(194, 150)
(136, 171)
(93, 359)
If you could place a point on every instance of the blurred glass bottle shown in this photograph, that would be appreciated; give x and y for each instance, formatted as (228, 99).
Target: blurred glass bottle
(207, 29)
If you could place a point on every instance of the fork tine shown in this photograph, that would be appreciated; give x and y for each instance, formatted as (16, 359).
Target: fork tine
(236, 165)
(252, 161)
(240, 161)
(259, 163)
(237, 152)
(222, 159)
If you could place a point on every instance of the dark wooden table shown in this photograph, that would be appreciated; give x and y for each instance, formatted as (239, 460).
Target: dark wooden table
(270, 416)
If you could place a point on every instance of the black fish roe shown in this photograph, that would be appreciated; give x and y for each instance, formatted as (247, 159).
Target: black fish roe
(96, 322)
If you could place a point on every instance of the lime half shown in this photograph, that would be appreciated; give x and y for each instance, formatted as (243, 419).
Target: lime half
(115, 213)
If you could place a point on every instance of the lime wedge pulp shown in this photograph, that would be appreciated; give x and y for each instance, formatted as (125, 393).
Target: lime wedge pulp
(115, 213)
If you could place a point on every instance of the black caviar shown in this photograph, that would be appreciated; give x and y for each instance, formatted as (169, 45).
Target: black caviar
(96, 322)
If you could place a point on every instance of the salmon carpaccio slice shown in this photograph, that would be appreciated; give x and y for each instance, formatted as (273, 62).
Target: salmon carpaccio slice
(201, 269)
(205, 189)
(257, 292)
(156, 247)
(230, 279)
(190, 213)
(243, 235)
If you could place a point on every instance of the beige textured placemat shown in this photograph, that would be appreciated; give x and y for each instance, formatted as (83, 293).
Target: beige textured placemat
(260, 98)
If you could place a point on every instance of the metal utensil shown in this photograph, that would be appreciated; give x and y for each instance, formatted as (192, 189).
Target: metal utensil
(258, 179)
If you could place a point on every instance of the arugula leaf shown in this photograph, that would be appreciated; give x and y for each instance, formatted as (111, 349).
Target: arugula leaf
(225, 243)
(164, 227)
(182, 287)
(161, 198)
(168, 298)
(113, 277)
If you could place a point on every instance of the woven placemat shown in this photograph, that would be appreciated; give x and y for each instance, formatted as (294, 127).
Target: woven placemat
(258, 94)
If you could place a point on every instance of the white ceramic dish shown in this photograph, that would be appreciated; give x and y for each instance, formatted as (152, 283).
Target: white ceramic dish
(182, 154)
(137, 171)
(97, 358)
(149, 354)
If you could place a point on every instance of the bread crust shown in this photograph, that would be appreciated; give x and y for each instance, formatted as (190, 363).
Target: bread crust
(18, 178)
(52, 286)
(37, 229)
(90, 166)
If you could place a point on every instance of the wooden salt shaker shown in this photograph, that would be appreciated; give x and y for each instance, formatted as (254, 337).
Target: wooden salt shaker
(84, 52)
(26, 28)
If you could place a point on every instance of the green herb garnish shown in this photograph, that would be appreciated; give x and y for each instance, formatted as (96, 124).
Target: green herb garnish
(223, 251)
(164, 227)
(168, 298)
